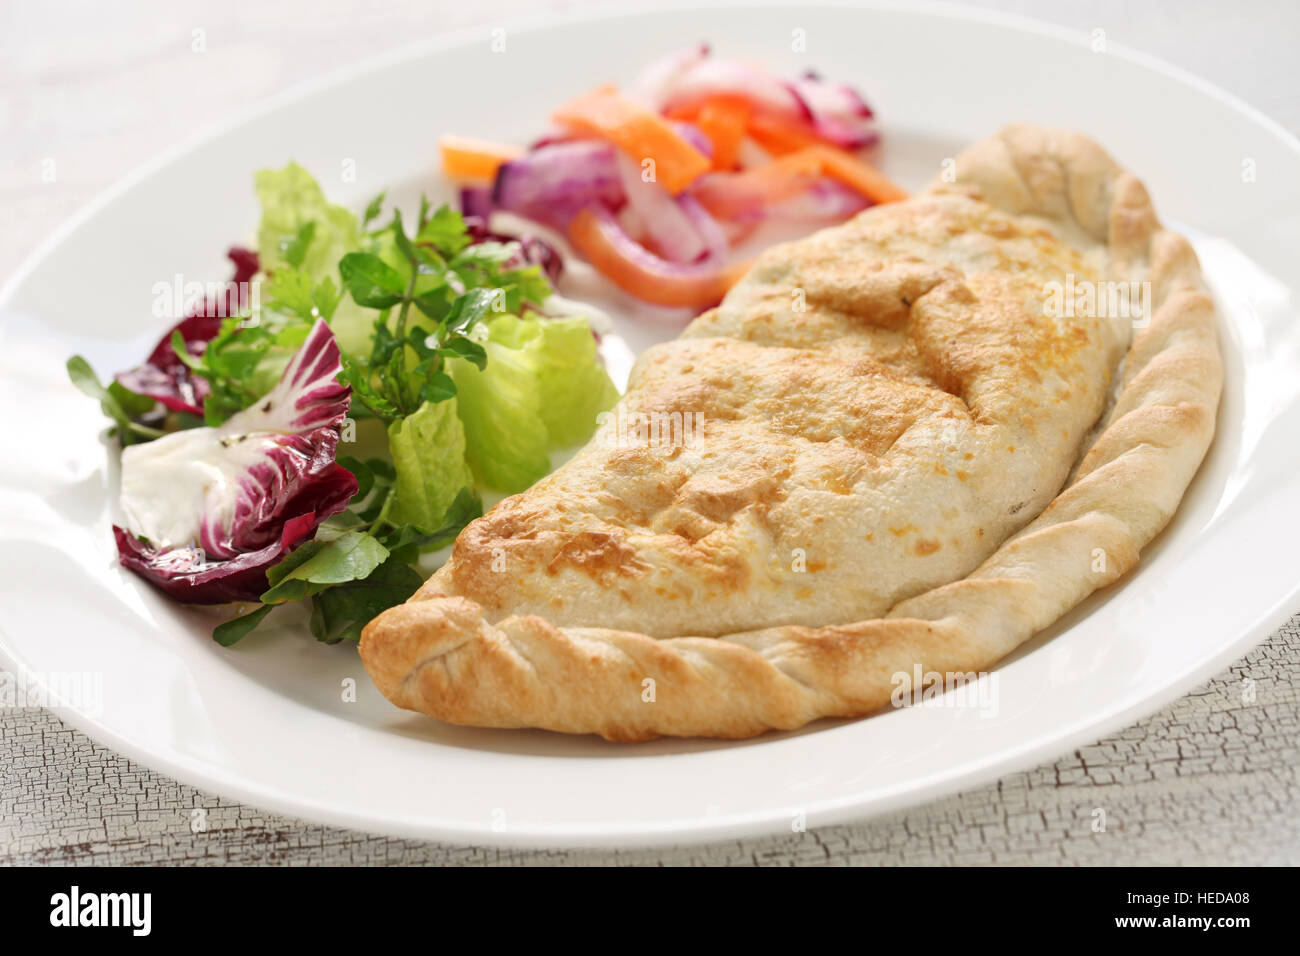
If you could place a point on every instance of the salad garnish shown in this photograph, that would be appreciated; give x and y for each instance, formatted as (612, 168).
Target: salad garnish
(310, 442)
(313, 446)
(211, 509)
(657, 184)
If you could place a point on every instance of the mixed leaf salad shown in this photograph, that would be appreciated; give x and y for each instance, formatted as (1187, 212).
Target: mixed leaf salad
(243, 478)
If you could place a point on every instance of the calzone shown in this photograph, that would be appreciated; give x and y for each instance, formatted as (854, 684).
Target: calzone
(914, 439)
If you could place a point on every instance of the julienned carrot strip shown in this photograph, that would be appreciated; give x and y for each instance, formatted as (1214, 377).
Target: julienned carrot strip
(854, 173)
(639, 132)
(738, 196)
(723, 120)
(467, 158)
(781, 136)
(644, 275)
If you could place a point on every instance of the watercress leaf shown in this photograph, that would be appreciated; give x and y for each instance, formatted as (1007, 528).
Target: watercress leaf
(294, 560)
(436, 303)
(445, 231)
(84, 377)
(233, 631)
(336, 525)
(485, 255)
(133, 403)
(352, 555)
(183, 353)
(469, 308)
(339, 613)
(528, 285)
(461, 347)
(383, 475)
(383, 470)
(409, 540)
(361, 471)
(375, 507)
(422, 343)
(373, 209)
(400, 238)
(438, 387)
(371, 281)
(384, 343)
(358, 377)
(116, 402)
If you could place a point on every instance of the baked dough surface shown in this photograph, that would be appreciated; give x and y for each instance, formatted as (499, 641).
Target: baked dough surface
(890, 445)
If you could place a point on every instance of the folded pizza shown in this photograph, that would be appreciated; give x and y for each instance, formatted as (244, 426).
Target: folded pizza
(914, 439)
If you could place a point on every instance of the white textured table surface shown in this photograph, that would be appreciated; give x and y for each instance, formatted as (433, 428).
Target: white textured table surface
(101, 88)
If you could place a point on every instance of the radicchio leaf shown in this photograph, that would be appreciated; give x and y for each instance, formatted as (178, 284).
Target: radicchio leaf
(164, 376)
(210, 509)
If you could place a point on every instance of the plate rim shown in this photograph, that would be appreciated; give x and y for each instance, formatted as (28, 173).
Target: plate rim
(700, 828)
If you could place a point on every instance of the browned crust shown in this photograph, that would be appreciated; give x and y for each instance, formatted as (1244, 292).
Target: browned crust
(445, 655)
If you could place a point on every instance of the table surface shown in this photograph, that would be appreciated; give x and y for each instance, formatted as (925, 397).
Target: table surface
(102, 88)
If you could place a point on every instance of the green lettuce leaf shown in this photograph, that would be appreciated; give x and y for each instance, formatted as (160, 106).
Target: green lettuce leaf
(428, 450)
(542, 388)
(291, 200)
(574, 384)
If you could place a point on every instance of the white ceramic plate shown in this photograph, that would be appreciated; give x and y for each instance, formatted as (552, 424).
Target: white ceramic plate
(266, 723)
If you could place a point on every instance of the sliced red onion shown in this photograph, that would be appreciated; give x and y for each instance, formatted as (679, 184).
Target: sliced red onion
(533, 250)
(837, 112)
(652, 87)
(761, 89)
(476, 208)
(554, 134)
(716, 246)
(826, 200)
(695, 136)
(476, 202)
(678, 227)
(654, 267)
(662, 221)
(742, 204)
(551, 184)
(732, 197)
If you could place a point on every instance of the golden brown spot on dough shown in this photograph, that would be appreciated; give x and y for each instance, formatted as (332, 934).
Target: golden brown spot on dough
(598, 553)
(899, 532)
(963, 475)
(926, 547)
